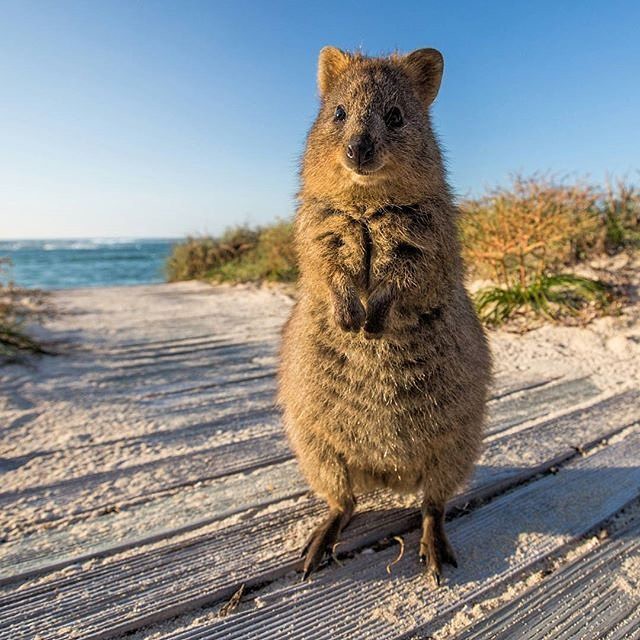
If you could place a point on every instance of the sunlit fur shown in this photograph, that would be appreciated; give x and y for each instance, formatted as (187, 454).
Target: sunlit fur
(385, 367)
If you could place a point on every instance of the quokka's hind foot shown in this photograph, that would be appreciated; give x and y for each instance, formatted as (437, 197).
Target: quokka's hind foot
(434, 553)
(435, 549)
(322, 540)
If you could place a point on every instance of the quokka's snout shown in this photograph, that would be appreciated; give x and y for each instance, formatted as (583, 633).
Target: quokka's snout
(360, 152)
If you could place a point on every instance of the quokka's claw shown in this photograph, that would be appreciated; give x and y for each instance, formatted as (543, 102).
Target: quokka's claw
(434, 552)
(433, 571)
(321, 540)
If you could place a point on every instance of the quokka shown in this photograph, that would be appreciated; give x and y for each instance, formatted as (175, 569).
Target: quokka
(384, 365)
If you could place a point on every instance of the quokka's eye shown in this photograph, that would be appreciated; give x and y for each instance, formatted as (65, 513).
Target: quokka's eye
(394, 118)
(340, 113)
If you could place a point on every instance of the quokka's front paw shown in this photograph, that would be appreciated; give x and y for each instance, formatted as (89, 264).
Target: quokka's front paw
(373, 327)
(376, 321)
(349, 315)
(378, 308)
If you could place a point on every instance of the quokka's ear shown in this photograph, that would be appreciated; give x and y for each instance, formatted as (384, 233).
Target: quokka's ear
(331, 63)
(425, 67)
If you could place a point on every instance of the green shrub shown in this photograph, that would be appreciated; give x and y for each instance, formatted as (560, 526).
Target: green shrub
(619, 210)
(552, 296)
(196, 257)
(242, 254)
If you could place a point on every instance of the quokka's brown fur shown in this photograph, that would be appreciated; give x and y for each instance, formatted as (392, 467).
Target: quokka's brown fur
(384, 365)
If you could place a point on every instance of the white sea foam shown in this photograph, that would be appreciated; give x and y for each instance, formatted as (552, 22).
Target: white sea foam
(72, 244)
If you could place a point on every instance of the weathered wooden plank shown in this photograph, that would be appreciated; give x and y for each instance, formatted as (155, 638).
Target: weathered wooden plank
(222, 374)
(229, 413)
(131, 418)
(114, 374)
(177, 345)
(506, 383)
(495, 543)
(118, 529)
(200, 368)
(139, 421)
(596, 596)
(181, 576)
(139, 482)
(256, 372)
(76, 403)
(159, 332)
(506, 412)
(117, 348)
(197, 305)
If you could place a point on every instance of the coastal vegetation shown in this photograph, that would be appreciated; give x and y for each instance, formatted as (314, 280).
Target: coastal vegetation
(241, 254)
(530, 243)
(18, 308)
(530, 239)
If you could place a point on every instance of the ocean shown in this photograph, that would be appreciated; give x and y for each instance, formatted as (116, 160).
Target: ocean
(90, 262)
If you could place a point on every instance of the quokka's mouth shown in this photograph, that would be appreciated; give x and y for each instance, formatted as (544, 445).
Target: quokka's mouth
(365, 174)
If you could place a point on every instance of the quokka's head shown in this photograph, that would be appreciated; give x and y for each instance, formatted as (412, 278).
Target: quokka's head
(373, 129)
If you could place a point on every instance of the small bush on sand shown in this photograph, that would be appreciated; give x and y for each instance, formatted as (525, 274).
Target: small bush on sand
(552, 297)
(18, 307)
(619, 210)
(272, 259)
(243, 254)
(516, 234)
(523, 238)
(196, 257)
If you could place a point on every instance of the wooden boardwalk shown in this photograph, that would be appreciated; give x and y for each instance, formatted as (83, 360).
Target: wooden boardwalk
(145, 476)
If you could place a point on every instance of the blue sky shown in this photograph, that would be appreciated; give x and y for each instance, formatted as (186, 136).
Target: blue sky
(154, 118)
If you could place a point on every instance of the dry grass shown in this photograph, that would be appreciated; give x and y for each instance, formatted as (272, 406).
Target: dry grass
(242, 254)
(527, 237)
(517, 234)
(619, 212)
(18, 307)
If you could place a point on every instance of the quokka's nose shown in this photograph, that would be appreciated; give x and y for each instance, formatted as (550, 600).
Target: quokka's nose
(360, 150)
